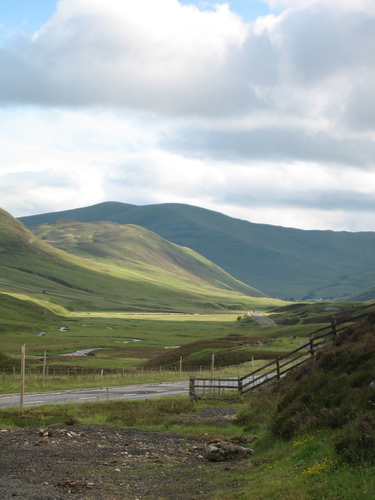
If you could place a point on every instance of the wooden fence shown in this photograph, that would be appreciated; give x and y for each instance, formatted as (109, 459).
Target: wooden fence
(276, 369)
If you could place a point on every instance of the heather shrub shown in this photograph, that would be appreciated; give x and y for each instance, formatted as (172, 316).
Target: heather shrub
(356, 441)
(334, 392)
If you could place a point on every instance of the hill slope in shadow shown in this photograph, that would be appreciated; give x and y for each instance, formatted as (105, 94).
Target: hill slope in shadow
(282, 262)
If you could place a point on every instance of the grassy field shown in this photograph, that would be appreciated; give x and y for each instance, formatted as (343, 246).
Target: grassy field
(124, 341)
(128, 341)
(125, 331)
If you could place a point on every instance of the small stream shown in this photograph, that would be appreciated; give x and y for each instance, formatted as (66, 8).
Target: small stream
(82, 352)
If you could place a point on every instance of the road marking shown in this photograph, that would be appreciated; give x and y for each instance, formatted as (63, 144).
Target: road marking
(33, 402)
(9, 397)
(91, 397)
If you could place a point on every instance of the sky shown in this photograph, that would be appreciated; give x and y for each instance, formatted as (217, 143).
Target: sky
(261, 110)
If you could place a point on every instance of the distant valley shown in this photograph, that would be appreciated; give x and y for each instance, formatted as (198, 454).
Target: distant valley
(284, 263)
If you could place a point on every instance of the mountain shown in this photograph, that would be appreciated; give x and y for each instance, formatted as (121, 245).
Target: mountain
(366, 295)
(282, 262)
(140, 251)
(34, 270)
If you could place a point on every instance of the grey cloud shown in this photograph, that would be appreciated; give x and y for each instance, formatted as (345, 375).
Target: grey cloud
(330, 200)
(89, 59)
(276, 144)
(322, 40)
(360, 109)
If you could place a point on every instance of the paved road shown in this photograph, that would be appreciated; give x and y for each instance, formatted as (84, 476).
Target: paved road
(143, 391)
(262, 319)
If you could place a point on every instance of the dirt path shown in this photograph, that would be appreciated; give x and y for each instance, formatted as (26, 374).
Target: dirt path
(59, 463)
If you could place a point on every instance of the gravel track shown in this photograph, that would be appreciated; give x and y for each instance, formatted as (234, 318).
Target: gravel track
(86, 462)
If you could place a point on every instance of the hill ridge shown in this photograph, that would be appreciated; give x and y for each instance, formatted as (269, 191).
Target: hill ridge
(288, 263)
(82, 282)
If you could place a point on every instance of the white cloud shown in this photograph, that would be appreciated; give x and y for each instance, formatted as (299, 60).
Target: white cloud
(154, 101)
(157, 56)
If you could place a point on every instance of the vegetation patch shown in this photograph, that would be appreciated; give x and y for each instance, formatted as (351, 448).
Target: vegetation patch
(228, 351)
(336, 392)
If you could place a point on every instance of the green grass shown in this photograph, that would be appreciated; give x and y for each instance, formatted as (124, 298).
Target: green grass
(112, 330)
(126, 340)
(83, 376)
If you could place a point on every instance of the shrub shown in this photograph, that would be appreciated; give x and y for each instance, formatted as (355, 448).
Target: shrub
(333, 392)
(356, 441)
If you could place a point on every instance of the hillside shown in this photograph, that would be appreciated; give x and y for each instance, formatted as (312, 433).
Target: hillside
(140, 250)
(32, 269)
(282, 262)
(367, 294)
(337, 392)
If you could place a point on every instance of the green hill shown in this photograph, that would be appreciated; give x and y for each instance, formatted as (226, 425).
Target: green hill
(282, 262)
(139, 250)
(181, 280)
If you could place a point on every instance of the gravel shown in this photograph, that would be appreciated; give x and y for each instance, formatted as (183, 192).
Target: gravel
(86, 462)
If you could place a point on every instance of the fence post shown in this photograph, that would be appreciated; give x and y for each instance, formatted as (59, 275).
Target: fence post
(333, 324)
(23, 363)
(312, 347)
(192, 388)
(44, 368)
(240, 385)
(278, 367)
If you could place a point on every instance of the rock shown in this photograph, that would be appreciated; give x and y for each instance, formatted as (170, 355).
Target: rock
(239, 440)
(220, 451)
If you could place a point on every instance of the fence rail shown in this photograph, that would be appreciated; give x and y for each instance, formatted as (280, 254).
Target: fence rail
(276, 369)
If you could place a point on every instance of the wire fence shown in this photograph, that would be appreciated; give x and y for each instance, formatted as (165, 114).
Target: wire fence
(13, 374)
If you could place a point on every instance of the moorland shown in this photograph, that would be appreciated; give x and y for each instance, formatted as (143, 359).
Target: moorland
(145, 303)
